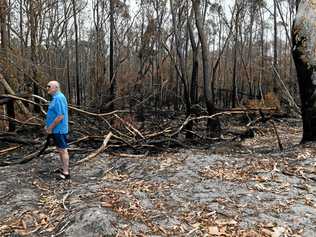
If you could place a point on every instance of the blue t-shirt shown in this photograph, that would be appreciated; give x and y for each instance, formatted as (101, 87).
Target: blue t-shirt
(58, 106)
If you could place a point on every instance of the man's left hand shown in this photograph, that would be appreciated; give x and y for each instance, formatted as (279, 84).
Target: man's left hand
(49, 130)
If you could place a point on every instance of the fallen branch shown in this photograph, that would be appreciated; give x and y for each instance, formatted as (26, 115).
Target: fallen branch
(15, 97)
(83, 111)
(79, 140)
(189, 119)
(166, 130)
(99, 150)
(4, 151)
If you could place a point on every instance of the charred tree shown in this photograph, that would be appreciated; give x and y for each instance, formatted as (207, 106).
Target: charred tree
(175, 11)
(33, 18)
(275, 48)
(4, 45)
(112, 76)
(77, 71)
(213, 124)
(195, 62)
(304, 55)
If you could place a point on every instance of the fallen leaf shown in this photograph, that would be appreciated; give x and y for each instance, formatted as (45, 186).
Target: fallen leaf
(196, 225)
(225, 222)
(213, 230)
(106, 204)
(277, 231)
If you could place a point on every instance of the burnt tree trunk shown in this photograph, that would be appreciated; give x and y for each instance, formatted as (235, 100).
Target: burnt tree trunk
(34, 27)
(304, 48)
(176, 17)
(112, 76)
(195, 63)
(213, 124)
(275, 49)
(4, 45)
(77, 71)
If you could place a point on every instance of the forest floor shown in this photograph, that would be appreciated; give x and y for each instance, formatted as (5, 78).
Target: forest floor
(238, 188)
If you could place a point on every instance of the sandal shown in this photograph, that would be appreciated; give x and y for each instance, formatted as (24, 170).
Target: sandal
(62, 176)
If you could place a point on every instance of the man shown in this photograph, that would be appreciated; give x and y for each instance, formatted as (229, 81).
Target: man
(57, 126)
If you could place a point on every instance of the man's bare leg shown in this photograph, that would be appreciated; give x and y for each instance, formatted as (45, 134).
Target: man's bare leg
(64, 157)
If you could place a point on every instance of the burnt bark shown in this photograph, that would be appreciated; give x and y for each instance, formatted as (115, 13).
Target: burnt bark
(34, 27)
(181, 57)
(77, 71)
(4, 45)
(303, 51)
(112, 76)
(213, 124)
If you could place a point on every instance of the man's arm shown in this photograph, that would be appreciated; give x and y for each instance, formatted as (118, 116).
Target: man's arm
(57, 120)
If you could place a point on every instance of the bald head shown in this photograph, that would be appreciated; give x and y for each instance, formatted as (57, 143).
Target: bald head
(53, 87)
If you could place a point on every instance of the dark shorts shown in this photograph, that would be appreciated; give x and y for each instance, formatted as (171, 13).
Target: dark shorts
(60, 140)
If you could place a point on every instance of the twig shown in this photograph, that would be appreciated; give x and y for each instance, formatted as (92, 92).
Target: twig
(107, 171)
(277, 135)
(65, 198)
(166, 130)
(79, 140)
(62, 229)
(131, 155)
(6, 195)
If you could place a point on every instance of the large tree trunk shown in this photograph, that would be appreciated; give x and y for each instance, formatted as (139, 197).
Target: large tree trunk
(195, 63)
(213, 124)
(234, 84)
(78, 86)
(181, 57)
(4, 44)
(275, 49)
(304, 55)
(34, 27)
(112, 76)
(3, 25)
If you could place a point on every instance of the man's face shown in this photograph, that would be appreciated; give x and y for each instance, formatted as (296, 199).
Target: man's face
(51, 88)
